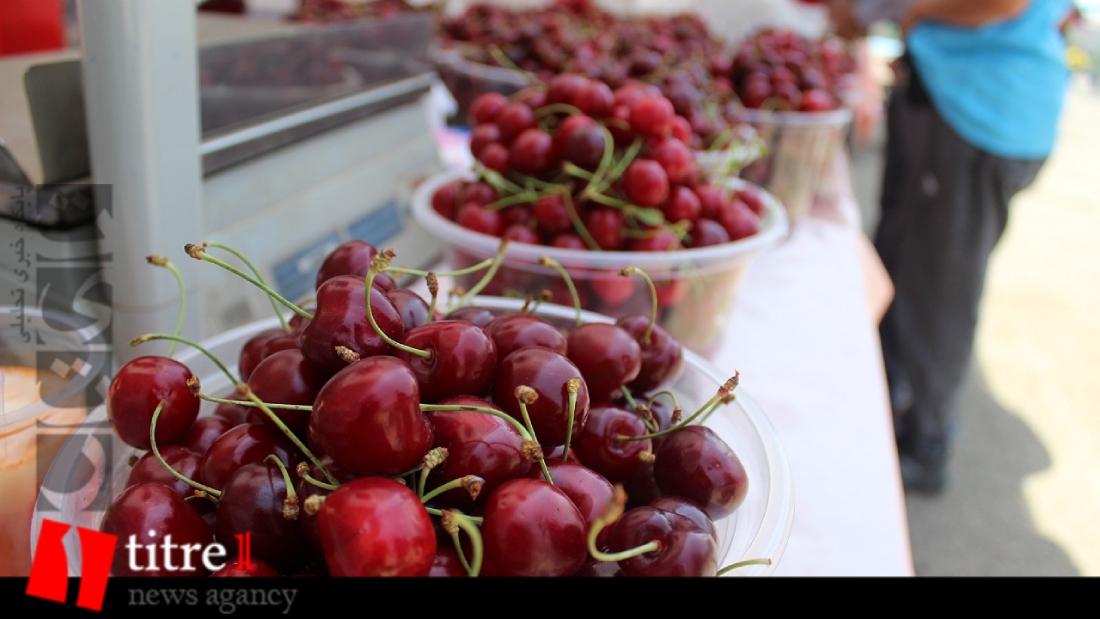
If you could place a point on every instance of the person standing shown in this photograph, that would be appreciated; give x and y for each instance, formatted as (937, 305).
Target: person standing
(971, 119)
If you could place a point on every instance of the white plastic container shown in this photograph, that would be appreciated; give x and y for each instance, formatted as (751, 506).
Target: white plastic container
(91, 470)
(799, 147)
(701, 283)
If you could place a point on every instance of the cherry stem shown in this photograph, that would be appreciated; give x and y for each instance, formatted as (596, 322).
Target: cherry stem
(745, 563)
(480, 409)
(433, 288)
(309, 479)
(289, 407)
(578, 223)
(632, 270)
(378, 264)
(554, 264)
(620, 167)
(161, 261)
(526, 395)
(672, 396)
(290, 503)
(199, 253)
(505, 62)
(469, 483)
(285, 430)
(628, 397)
(256, 273)
(611, 514)
(489, 275)
(558, 108)
(156, 454)
(435, 511)
(484, 264)
(432, 459)
(606, 159)
(452, 520)
(499, 181)
(572, 385)
(725, 395)
(141, 339)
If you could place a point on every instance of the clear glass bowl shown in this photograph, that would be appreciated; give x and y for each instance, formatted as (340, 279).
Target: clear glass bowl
(92, 466)
(702, 283)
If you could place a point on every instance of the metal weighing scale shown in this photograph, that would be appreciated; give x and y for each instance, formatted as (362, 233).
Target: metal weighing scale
(282, 144)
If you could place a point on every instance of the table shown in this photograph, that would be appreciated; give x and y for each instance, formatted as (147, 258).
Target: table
(803, 333)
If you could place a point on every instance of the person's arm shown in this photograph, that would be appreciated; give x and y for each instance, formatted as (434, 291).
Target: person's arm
(968, 14)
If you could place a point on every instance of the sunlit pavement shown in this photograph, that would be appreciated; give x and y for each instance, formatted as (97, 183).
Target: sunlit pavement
(1024, 490)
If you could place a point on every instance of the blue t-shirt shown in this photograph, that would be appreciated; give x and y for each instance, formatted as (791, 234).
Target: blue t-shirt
(1000, 86)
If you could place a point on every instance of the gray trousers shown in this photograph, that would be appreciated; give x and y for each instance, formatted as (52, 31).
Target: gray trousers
(945, 205)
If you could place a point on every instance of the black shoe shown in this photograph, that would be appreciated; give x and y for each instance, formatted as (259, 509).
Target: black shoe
(925, 477)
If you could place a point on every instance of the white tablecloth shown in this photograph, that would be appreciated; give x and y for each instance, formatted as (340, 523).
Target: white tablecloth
(803, 333)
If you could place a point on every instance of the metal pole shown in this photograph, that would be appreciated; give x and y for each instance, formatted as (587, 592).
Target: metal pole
(141, 94)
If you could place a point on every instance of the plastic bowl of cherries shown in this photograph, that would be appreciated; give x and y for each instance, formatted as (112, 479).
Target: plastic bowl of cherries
(374, 434)
(797, 95)
(601, 179)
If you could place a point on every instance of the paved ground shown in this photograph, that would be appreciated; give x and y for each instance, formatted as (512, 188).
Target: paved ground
(1024, 493)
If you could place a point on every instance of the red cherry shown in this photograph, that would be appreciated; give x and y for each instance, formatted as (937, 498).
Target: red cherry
(341, 320)
(607, 356)
(695, 463)
(368, 419)
(646, 183)
(532, 528)
(375, 526)
(685, 548)
(463, 359)
(148, 512)
(547, 372)
(136, 391)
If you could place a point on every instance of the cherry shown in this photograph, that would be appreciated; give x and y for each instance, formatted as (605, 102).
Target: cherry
(238, 568)
(411, 306)
(684, 548)
(149, 469)
(375, 526)
(695, 463)
(476, 217)
(244, 444)
(662, 355)
(739, 220)
(607, 355)
(447, 564)
(683, 204)
(611, 288)
(521, 233)
(585, 146)
(203, 433)
(368, 419)
(341, 320)
(286, 378)
(515, 331)
(478, 444)
(552, 215)
(148, 512)
(251, 355)
(532, 528)
(689, 509)
(601, 446)
(461, 359)
(480, 316)
(548, 373)
(136, 391)
(589, 491)
(351, 258)
(532, 152)
(252, 502)
(652, 116)
(487, 107)
(707, 232)
(481, 136)
(646, 183)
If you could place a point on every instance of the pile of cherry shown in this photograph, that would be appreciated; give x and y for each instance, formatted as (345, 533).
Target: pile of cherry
(579, 166)
(375, 436)
(676, 53)
(781, 70)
